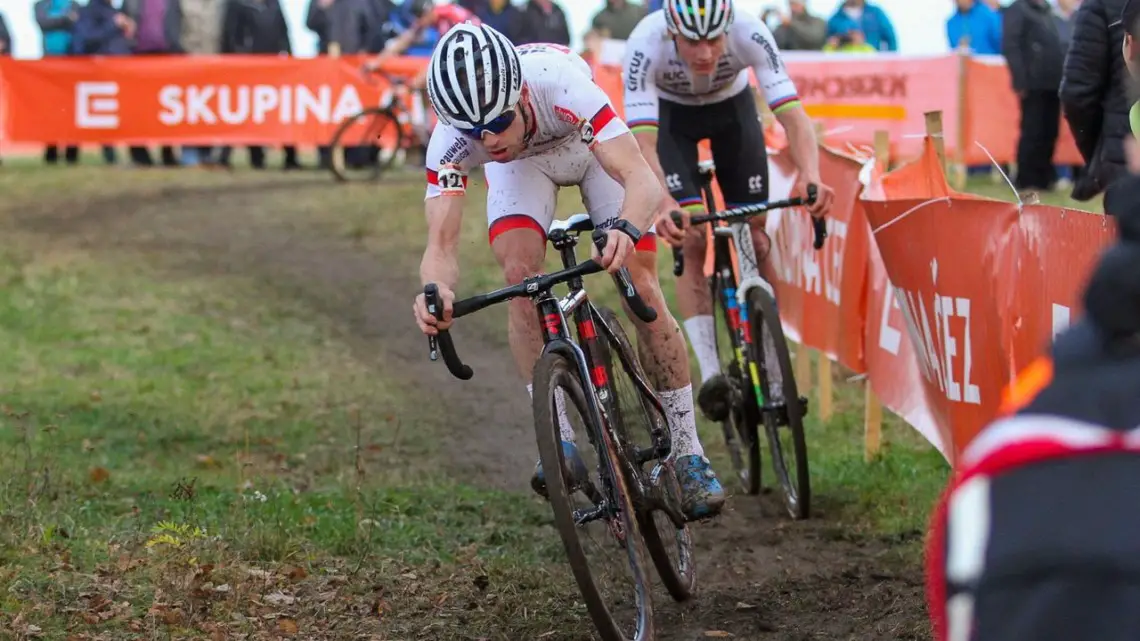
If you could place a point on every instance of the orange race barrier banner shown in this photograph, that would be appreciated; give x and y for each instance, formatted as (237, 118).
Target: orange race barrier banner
(940, 321)
(189, 99)
(276, 100)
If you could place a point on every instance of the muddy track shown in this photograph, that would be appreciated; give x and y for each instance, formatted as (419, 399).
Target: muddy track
(760, 575)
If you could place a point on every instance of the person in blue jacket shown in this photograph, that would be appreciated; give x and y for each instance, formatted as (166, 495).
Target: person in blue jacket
(858, 15)
(979, 23)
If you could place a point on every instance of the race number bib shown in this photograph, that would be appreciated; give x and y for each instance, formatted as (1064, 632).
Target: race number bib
(452, 181)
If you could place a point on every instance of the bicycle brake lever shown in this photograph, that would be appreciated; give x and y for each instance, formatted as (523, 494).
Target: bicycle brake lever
(431, 299)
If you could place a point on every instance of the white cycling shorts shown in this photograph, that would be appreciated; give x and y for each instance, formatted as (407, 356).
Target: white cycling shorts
(523, 193)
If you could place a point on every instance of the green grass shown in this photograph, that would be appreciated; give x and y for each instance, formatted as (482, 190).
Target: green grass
(187, 454)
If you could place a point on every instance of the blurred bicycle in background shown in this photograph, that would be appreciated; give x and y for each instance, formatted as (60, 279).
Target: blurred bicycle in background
(378, 138)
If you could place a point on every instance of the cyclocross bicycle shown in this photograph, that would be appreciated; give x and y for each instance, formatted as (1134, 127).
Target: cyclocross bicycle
(368, 143)
(633, 496)
(758, 365)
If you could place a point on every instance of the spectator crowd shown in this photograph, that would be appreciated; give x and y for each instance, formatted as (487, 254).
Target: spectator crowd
(1059, 54)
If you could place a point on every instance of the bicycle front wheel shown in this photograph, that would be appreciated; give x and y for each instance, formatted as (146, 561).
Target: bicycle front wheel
(783, 411)
(616, 591)
(365, 145)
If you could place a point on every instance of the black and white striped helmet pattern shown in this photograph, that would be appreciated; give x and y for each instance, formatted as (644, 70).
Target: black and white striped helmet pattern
(697, 19)
(473, 76)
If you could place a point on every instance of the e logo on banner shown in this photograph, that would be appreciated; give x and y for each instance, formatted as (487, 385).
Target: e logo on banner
(96, 105)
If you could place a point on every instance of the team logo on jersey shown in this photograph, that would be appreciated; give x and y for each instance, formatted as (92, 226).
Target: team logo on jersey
(673, 182)
(565, 115)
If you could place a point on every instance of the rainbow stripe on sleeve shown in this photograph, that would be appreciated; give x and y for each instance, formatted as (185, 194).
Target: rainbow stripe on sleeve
(643, 125)
(784, 104)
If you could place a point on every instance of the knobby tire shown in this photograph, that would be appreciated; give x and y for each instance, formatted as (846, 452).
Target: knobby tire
(764, 315)
(554, 371)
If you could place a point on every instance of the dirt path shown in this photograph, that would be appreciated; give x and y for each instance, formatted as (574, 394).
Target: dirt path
(760, 576)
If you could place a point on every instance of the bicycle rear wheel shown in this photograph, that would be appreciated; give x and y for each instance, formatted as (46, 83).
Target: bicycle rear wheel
(783, 412)
(365, 145)
(635, 418)
(625, 613)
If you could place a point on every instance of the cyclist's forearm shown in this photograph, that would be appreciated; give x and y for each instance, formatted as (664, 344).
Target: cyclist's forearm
(802, 143)
(647, 142)
(644, 197)
(440, 262)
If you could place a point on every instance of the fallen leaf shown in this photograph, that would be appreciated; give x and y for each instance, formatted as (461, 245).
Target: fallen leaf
(205, 460)
(98, 474)
(409, 576)
(90, 619)
(225, 587)
(87, 446)
(33, 630)
(296, 573)
(172, 617)
(718, 634)
(287, 626)
(96, 397)
(745, 606)
(279, 598)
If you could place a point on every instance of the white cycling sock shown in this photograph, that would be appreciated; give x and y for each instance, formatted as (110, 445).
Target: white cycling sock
(682, 419)
(564, 426)
(702, 336)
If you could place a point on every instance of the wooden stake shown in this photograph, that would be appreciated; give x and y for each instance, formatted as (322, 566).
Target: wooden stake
(934, 130)
(826, 394)
(872, 423)
(883, 149)
(872, 408)
(803, 368)
(959, 180)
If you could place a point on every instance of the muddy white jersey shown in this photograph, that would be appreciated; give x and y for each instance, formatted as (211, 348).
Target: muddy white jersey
(653, 69)
(571, 115)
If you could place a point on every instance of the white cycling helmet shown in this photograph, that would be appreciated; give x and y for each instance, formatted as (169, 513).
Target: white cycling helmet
(697, 19)
(473, 76)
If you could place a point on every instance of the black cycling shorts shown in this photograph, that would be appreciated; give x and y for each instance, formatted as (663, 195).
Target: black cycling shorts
(736, 136)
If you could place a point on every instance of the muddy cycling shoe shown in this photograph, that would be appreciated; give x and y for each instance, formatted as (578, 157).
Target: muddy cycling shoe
(701, 493)
(715, 398)
(574, 464)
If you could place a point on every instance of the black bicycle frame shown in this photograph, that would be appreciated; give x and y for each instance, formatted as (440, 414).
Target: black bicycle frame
(557, 339)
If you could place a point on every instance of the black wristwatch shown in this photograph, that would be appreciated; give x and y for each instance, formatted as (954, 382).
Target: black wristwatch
(627, 228)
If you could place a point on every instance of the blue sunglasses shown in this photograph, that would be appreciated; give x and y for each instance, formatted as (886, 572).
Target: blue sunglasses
(496, 126)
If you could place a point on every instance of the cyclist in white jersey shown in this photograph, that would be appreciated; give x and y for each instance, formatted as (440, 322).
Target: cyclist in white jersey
(533, 118)
(686, 80)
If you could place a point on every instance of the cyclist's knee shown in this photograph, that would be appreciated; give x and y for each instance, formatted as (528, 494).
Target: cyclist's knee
(520, 252)
(516, 269)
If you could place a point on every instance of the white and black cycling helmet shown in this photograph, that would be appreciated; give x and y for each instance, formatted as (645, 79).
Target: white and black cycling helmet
(474, 77)
(698, 19)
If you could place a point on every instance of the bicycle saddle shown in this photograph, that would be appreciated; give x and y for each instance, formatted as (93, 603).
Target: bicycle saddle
(575, 224)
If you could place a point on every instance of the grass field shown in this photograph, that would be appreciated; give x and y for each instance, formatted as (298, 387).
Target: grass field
(218, 422)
